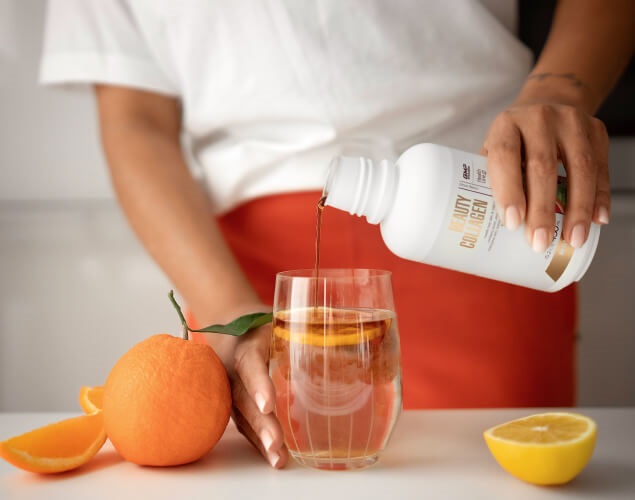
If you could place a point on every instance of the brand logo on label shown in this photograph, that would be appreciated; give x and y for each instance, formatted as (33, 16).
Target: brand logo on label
(466, 172)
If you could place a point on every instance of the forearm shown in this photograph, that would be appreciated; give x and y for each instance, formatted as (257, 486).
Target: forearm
(589, 44)
(172, 218)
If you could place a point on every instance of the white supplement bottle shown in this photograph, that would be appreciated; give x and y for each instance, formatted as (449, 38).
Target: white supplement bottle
(435, 206)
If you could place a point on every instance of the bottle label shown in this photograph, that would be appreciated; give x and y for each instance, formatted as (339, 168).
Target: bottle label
(476, 240)
(559, 253)
(472, 216)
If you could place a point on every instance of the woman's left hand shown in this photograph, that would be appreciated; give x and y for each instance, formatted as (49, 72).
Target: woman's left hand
(524, 145)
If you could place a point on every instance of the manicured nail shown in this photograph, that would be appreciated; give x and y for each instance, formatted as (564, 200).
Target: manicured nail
(501, 213)
(266, 438)
(260, 402)
(512, 218)
(540, 240)
(273, 458)
(578, 235)
(603, 215)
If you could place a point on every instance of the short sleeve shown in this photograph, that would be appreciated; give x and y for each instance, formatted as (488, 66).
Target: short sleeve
(98, 41)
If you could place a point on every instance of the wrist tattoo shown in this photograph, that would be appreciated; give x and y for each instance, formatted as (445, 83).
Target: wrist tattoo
(571, 77)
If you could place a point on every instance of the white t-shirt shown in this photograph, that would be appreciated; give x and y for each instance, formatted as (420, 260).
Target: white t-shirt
(271, 90)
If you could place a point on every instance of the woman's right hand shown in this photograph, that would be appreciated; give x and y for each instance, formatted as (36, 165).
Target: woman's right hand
(254, 396)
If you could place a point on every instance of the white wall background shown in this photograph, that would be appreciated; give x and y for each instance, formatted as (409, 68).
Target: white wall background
(77, 290)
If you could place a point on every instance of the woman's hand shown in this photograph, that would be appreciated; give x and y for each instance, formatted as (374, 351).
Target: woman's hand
(524, 146)
(246, 359)
(587, 48)
(254, 396)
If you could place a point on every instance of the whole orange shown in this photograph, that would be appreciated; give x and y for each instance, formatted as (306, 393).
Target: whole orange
(167, 401)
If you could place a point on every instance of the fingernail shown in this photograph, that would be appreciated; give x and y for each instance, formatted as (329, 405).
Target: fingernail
(512, 218)
(260, 402)
(273, 458)
(540, 240)
(577, 236)
(603, 215)
(266, 438)
(501, 213)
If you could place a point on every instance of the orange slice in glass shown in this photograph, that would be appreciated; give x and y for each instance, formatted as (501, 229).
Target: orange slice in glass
(329, 327)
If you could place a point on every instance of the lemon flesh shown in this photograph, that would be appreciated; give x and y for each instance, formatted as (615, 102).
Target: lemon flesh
(546, 448)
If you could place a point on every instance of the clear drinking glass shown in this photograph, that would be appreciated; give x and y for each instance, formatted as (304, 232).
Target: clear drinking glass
(335, 365)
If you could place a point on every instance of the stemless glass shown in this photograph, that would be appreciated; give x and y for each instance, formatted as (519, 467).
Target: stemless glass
(335, 365)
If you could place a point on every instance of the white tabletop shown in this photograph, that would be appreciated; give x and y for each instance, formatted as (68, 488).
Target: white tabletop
(433, 454)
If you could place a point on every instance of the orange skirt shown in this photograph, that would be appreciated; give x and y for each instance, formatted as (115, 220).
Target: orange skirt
(466, 342)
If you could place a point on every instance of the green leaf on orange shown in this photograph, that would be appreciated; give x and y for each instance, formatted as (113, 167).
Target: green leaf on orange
(237, 327)
(240, 325)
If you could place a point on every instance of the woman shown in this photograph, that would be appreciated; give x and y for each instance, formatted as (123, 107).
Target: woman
(218, 120)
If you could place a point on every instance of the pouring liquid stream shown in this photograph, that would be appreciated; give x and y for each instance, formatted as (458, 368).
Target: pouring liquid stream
(318, 232)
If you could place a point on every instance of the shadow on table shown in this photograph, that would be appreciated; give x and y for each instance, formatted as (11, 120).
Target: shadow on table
(232, 454)
(604, 478)
(103, 460)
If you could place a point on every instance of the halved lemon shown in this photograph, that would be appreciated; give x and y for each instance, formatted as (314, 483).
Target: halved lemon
(546, 448)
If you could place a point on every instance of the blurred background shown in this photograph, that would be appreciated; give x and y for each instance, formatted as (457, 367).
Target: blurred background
(77, 289)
